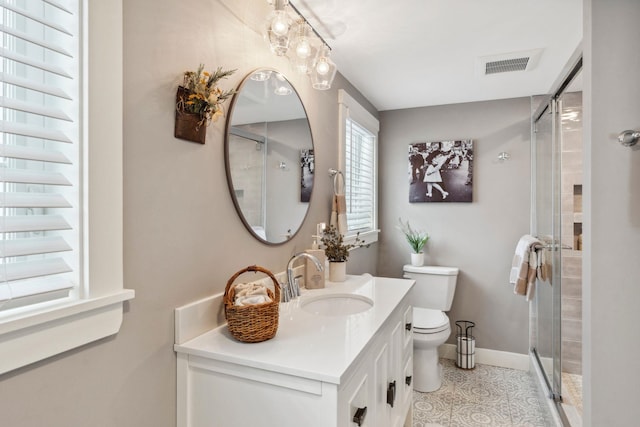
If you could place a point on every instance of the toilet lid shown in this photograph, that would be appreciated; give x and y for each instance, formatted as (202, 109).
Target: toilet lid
(431, 269)
(426, 319)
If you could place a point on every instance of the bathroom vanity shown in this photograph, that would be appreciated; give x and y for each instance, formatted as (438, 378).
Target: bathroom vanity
(342, 357)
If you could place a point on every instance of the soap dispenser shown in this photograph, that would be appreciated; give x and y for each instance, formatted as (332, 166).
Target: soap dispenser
(314, 279)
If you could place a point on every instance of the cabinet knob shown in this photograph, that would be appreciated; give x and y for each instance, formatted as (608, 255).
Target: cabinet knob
(360, 415)
(407, 380)
(391, 393)
(407, 326)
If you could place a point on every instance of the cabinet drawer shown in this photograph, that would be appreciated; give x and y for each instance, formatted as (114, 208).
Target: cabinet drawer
(407, 383)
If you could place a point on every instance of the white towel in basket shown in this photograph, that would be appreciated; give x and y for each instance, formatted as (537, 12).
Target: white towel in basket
(250, 294)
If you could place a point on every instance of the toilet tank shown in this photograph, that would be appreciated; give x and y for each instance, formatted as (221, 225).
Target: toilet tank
(435, 286)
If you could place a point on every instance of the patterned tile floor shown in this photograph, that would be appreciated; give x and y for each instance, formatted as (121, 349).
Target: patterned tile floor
(484, 396)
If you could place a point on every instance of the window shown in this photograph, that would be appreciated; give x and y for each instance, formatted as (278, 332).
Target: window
(61, 177)
(358, 161)
(39, 169)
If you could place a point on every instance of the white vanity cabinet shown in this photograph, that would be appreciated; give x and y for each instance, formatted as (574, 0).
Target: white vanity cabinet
(379, 387)
(327, 371)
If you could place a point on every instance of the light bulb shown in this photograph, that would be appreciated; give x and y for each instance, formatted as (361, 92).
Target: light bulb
(261, 76)
(280, 24)
(303, 49)
(323, 67)
(282, 91)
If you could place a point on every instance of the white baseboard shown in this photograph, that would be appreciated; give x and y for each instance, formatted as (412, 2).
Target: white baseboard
(485, 356)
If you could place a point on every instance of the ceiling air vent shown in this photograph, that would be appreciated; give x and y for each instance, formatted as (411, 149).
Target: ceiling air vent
(508, 62)
(506, 65)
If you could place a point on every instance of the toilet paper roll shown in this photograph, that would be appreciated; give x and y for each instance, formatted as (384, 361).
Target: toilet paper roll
(466, 349)
(466, 361)
(466, 345)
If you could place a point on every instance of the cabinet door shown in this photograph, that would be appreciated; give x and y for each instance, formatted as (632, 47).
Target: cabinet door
(407, 356)
(360, 410)
(396, 368)
(382, 384)
(408, 330)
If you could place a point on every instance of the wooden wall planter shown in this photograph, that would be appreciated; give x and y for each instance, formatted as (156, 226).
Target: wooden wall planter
(186, 124)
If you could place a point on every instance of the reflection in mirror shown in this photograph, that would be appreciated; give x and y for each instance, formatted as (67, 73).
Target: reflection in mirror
(269, 156)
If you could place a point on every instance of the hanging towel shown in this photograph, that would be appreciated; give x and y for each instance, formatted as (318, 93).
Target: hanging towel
(333, 221)
(341, 201)
(544, 266)
(339, 213)
(524, 267)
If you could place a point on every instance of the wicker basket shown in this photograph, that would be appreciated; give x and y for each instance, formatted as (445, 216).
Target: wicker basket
(252, 323)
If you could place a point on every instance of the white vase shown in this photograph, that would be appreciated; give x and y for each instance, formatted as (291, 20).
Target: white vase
(417, 259)
(337, 271)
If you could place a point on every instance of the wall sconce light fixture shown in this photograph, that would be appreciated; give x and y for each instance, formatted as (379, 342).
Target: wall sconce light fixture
(503, 156)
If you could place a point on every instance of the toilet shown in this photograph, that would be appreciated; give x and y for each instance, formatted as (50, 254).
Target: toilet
(431, 296)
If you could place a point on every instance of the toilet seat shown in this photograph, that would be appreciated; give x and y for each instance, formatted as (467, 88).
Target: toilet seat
(429, 321)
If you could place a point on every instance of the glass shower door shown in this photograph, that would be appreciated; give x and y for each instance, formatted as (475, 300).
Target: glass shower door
(546, 325)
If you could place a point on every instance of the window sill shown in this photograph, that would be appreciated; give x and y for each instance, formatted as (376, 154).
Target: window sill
(370, 236)
(25, 339)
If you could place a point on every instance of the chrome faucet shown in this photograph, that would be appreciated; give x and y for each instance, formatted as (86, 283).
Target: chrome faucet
(292, 288)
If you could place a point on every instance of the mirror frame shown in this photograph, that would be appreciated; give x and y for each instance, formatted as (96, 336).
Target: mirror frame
(227, 164)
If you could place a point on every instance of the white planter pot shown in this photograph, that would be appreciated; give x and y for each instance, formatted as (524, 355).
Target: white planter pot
(417, 259)
(337, 271)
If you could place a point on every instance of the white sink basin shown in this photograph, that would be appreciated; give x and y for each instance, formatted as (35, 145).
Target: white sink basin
(336, 304)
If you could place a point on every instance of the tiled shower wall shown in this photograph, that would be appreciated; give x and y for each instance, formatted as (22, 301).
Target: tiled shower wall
(248, 181)
(572, 233)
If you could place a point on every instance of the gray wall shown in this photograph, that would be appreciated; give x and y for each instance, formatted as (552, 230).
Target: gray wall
(477, 237)
(611, 214)
(183, 239)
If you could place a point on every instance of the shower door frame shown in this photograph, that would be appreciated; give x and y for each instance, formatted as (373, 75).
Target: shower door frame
(550, 234)
(552, 105)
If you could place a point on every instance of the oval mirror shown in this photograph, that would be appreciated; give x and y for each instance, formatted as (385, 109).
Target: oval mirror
(269, 156)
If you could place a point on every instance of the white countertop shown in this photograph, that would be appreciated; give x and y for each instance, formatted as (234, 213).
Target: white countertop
(309, 345)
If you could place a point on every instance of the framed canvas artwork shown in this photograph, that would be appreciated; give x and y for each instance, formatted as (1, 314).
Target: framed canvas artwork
(307, 166)
(441, 171)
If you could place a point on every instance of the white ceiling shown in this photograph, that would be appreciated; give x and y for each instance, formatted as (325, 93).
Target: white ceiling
(413, 53)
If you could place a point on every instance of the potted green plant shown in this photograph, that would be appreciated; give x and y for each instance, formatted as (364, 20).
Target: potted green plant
(337, 252)
(417, 239)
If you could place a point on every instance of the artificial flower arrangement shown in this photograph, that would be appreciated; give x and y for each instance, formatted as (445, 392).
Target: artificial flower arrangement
(334, 247)
(416, 238)
(201, 96)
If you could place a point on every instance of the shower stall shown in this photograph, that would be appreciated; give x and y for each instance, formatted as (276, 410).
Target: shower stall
(555, 315)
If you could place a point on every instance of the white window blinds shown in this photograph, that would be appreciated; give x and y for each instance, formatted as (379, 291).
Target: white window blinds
(359, 161)
(360, 177)
(39, 170)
